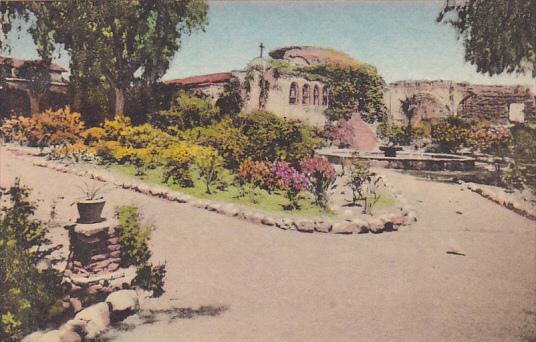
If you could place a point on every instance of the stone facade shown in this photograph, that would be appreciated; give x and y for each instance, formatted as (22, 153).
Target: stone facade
(293, 96)
(439, 99)
(290, 96)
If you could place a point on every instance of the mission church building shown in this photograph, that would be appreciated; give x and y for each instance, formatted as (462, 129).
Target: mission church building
(273, 84)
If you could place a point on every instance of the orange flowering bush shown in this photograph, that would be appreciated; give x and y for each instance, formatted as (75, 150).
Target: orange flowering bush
(50, 128)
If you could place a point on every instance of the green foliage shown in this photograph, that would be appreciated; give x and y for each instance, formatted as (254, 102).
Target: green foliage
(210, 166)
(395, 134)
(189, 111)
(512, 48)
(223, 136)
(125, 35)
(365, 186)
(357, 87)
(450, 134)
(523, 169)
(28, 296)
(177, 165)
(134, 238)
(230, 102)
(271, 138)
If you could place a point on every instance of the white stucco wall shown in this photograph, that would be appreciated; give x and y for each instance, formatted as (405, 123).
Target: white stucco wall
(278, 99)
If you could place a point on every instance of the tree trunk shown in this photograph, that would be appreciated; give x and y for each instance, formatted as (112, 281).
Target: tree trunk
(119, 101)
(35, 102)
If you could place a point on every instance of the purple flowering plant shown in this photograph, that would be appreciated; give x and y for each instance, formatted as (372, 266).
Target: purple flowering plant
(321, 175)
(290, 180)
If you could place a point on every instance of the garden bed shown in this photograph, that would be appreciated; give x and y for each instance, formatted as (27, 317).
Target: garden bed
(312, 220)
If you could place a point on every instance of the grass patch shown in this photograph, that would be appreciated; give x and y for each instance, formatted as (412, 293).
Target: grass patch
(270, 202)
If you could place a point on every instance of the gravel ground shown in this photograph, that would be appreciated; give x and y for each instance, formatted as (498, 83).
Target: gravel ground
(466, 271)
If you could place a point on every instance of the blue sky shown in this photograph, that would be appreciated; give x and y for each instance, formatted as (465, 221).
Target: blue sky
(401, 38)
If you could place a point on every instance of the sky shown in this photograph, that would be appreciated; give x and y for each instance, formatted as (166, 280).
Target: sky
(401, 38)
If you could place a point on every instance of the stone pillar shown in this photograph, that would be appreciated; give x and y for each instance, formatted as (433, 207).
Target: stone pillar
(93, 268)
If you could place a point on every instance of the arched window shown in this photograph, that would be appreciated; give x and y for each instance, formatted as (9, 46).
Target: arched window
(316, 96)
(305, 94)
(325, 96)
(293, 95)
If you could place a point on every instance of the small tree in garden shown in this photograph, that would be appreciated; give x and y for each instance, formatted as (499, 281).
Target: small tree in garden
(210, 166)
(409, 108)
(290, 180)
(322, 177)
(365, 186)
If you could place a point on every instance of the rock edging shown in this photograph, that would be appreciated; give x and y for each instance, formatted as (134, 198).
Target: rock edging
(92, 321)
(404, 216)
(502, 200)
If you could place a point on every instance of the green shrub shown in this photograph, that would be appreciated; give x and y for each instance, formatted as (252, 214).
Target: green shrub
(189, 111)
(451, 134)
(134, 239)
(274, 138)
(523, 149)
(30, 298)
(227, 139)
(355, 86)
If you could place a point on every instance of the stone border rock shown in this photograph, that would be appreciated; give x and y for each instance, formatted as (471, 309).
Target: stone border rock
(93, 320)
(503, 200)
(405, 214)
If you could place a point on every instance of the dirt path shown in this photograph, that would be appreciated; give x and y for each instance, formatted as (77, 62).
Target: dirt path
(229, 280)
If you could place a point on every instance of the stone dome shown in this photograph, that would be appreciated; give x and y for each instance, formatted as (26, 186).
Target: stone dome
(258, 64)
(310, 55)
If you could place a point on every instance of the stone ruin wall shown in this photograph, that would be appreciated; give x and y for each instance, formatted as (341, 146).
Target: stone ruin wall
(443, 98)
(278, 98)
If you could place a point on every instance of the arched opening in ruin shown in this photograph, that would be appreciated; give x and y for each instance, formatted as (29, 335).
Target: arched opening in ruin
(316, 96)
(293, 94)
(306, 97)
(325, 96)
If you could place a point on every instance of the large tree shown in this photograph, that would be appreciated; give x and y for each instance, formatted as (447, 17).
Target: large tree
(118, 40)
(499, 35)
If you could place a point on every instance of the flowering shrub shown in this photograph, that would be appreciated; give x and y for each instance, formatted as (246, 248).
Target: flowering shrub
(178, 165)
(493, 140)
(50, 128)
(321, 175)
(257, 173)
(290, 180)
(224, 137)
(450, 134)
(341, 133)
(75, 152)
(12, 129)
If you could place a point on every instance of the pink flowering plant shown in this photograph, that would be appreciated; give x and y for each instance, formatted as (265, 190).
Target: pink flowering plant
(257, 173)
(493, 140)
(321, 175)
(289, 180)
(340, 133)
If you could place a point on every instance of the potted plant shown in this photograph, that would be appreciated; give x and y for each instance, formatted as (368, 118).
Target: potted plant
(91, 204)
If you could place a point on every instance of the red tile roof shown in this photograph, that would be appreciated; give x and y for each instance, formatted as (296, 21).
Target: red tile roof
(201, 79)
(17, 63)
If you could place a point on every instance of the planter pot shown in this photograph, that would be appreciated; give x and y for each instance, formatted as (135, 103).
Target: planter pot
(90, 210)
